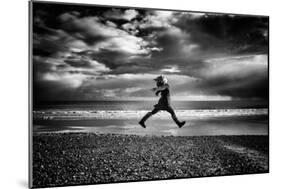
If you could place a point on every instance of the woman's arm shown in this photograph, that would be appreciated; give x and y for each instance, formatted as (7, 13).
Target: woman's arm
(160, 88)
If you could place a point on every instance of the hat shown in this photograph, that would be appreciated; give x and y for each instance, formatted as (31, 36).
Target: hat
(161, 78)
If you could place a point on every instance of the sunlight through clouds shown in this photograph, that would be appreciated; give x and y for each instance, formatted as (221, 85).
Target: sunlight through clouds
(115, 53)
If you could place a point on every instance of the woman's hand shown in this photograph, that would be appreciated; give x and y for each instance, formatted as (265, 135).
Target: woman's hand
(153, 89)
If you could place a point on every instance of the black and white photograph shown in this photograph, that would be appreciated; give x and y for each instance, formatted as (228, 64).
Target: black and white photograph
(123, 94)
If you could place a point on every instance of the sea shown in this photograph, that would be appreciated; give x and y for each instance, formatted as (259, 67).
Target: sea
(203, 118)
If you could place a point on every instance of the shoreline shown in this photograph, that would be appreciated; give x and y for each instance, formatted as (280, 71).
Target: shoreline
(135, 114)
(140, 135)
(90, 158)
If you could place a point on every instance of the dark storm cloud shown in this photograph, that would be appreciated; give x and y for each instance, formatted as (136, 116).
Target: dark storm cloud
(88, 53)
(79, 63)
(46, 45)
(83, 29)
(251, 86)
(241, 76)
(237, 33)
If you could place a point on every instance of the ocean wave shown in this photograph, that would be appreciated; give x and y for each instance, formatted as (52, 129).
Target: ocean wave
(137, 114)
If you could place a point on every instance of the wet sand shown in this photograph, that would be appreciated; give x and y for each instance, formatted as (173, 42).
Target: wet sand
(243, 125)
(90, 158)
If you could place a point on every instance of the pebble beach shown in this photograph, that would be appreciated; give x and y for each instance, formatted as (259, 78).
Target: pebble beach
(89, 158)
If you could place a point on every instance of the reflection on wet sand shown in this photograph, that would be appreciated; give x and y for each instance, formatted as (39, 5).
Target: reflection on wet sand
(252, 125)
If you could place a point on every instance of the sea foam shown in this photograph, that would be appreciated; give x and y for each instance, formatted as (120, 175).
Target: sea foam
(136, 114)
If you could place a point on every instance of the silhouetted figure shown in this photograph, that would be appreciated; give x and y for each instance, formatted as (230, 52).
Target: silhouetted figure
(163, 103)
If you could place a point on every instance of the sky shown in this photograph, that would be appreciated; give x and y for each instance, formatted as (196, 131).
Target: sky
(88, 53)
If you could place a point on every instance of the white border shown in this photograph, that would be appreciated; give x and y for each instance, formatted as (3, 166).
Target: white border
(14, 92)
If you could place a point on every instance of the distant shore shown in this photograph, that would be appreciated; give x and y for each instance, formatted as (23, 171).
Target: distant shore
(89, 158)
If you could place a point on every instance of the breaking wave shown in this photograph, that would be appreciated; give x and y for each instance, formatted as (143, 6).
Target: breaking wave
(136, 114)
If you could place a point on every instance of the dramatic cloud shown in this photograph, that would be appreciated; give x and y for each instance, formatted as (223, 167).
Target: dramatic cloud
(102, 53)
(102, 36)
(240, 76)
(117, 14)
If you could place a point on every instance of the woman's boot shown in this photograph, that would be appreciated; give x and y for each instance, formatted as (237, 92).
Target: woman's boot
(144, 119)
(180, 124)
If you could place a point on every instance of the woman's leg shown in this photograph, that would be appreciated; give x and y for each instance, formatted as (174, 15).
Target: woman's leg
(173, 114)
(142, 121)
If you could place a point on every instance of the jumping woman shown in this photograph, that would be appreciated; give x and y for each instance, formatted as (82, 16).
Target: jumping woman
(163, 103)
